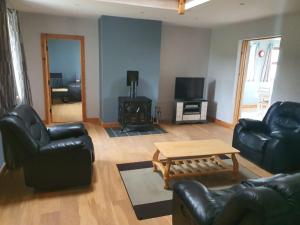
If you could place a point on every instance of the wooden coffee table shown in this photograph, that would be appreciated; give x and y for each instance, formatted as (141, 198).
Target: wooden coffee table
(193, 158)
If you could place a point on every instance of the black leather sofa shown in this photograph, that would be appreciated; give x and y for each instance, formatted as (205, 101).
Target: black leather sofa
(274, 143)
(269, 201)
(53, 157)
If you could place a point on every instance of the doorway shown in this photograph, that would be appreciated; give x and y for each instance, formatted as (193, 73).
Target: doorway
(258, 66)
(64, 78)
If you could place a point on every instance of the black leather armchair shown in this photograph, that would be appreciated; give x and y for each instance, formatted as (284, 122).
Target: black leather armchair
(269, 201)
(54, 157)
(274, 143)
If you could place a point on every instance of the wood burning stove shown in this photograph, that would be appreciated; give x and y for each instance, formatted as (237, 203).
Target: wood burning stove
(134, 112)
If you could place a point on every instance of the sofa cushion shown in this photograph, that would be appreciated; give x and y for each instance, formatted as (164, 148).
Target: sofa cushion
(286, 118)
(271, 113)
(28, 121)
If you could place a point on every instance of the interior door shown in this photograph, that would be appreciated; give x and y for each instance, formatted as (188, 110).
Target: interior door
(47, 84)
(241, 79)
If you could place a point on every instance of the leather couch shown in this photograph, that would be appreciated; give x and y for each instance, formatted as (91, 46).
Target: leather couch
(274, 142)
(53, 157)
(269, 201)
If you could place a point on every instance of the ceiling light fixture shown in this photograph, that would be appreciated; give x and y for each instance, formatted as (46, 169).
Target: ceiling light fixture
(193, 3)
(188, 4)
(181, 7)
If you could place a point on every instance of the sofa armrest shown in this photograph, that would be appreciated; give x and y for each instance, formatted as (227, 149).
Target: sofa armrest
(66, 130)
(263, 202)
(291, 135)
(197, 200)
(251, 124)
(69, 144)
(262, 181)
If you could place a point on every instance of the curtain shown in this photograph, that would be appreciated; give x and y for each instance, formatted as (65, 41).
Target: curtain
(8, 89)
(18, 59)
(14, 82)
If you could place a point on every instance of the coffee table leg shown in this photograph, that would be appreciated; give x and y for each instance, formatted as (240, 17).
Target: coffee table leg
(167, 173)
(235, 166)
(155, 159)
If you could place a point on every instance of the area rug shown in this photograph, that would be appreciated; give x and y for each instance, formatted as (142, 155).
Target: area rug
(148, 197)
(117, 132)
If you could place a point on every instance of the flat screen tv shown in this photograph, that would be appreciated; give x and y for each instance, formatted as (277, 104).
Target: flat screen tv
(189, 88)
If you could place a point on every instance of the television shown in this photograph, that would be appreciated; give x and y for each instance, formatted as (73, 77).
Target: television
(189, 88)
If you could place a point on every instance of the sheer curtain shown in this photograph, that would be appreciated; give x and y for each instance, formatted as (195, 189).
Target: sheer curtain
(8, 91)
(18, 59)
(14, 83)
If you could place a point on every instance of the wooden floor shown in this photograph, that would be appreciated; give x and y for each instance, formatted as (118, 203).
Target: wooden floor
(67, 112)
(106, 201)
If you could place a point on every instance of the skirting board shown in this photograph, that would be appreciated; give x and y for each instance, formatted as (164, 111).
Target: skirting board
(116, 124)
(93, 120)
(110, 125)
(249, 106)
(216, 121)
(221, 123)
(99, 122)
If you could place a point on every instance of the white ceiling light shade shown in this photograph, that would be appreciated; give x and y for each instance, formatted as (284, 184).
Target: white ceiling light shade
(192, 3)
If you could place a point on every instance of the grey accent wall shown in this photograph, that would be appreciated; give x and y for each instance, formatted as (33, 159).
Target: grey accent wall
(128, 44)
(224, 62)
(184, 53)
(32, 25)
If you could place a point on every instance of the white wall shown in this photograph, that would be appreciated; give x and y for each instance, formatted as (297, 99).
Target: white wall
(224, 63)
(184, 52)
(287, 81)
(32, 25)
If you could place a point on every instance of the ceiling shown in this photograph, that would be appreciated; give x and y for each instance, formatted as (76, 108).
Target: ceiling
(161, 4)
(210, 14)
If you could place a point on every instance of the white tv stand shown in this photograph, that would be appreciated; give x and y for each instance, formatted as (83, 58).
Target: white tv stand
(191, 111)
